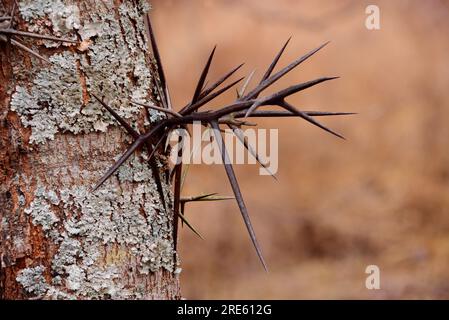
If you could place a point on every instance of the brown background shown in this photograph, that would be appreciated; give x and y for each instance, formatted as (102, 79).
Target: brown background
(382, 197)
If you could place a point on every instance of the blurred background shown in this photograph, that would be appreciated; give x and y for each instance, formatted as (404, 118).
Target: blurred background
(381, 197)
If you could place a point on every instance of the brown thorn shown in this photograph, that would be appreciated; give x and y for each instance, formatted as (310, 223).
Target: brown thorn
(238, 195)
(203, 76)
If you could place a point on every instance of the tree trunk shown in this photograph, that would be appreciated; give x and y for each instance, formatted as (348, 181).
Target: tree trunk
(59, 239)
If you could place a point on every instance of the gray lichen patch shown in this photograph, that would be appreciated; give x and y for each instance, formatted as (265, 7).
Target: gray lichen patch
(61, 20)
(70, 250)
(40, 209)
(76, 277)
(113, 67)
(53, 102)
(101, 232)
(33, 280)
(103, 281)
(107, 219)
(157, 255)
(116, 67)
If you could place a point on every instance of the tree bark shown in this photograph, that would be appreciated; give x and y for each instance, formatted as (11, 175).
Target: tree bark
(59, 239)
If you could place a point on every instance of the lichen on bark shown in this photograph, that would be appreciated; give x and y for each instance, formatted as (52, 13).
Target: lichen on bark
(113, 66)
(114, 243)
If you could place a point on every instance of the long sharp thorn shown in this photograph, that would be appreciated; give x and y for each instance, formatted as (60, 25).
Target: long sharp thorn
(275, 113)
(122, 121)
(157, 57)
(287, 92)
(182, 206)
(34, 35)
(203, 76)
(213, 86)
(245, 84)
(298, 87)
(238, 133)
(301, 114)
(272, 79)
(25, 48)
(273, 64)
(119, 162)
(155, 50)
(238, 195)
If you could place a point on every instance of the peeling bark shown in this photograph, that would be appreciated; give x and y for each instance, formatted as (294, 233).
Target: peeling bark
(59, 240)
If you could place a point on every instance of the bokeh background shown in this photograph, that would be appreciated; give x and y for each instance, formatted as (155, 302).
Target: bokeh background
(381, 197)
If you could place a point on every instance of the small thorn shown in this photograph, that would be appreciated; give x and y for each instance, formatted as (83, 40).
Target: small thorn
(245, 85)
(184, 220)
(203, 76)
(273, 64)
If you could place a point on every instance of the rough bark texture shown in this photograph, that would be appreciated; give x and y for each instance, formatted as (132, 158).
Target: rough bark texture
(59, 239)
